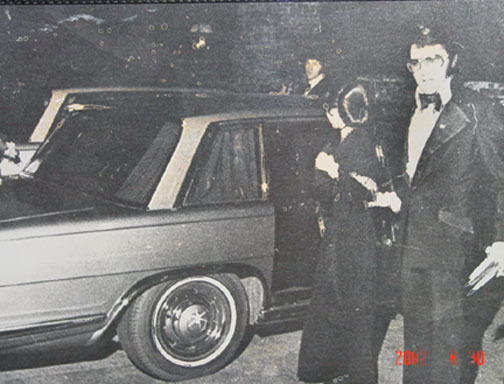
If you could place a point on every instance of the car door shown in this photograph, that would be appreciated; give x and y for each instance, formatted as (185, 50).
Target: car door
(291, 146)
(226, 181)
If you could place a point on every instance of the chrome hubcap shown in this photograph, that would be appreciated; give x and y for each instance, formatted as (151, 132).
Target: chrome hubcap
(194, 321)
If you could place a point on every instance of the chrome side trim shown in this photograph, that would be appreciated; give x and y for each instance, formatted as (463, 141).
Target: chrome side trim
(50, 326)
(293, 313)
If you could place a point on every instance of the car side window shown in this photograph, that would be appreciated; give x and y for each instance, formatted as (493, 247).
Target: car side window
(291, 148)
(226, 167)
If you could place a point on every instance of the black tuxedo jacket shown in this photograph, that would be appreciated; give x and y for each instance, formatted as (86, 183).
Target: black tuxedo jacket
(454, 205)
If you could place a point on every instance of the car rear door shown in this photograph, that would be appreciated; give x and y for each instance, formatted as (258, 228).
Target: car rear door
(291, 145)
(228, 175)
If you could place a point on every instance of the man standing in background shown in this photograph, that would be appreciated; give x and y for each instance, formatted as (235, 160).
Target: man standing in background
(318, 85)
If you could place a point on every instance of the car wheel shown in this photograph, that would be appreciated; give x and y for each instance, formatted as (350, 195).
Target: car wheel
(187, 328)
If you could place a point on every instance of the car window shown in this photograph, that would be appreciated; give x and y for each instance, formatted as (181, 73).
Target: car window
(226, 166)
(115, 148)
(291, 148)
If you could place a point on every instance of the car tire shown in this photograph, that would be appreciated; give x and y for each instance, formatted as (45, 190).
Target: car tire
(186, 328)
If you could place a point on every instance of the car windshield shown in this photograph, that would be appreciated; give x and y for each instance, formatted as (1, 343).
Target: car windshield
(112, 146)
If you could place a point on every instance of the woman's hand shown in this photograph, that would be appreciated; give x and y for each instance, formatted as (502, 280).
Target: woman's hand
(326, 163)
(386, 200)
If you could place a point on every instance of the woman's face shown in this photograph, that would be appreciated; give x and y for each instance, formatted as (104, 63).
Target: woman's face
(335, 119)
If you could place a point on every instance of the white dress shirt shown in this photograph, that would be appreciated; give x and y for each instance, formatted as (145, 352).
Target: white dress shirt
(421, 126)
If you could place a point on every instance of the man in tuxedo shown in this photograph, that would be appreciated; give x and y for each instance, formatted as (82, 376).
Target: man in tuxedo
(449, 175)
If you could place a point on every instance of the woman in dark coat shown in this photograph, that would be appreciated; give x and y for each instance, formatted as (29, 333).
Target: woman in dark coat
(337, 341)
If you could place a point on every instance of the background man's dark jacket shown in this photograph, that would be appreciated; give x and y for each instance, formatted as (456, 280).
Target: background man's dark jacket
(322, 90)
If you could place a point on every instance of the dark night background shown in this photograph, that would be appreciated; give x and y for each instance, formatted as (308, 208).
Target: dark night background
(248, 47)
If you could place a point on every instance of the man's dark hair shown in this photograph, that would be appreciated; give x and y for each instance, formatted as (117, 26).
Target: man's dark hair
(319, 58)
(425, 35)
(312, 51)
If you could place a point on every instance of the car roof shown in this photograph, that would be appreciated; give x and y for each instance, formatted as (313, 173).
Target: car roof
(200, 102)
(191, 103)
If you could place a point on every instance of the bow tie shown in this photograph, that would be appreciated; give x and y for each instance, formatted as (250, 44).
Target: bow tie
(426, 100)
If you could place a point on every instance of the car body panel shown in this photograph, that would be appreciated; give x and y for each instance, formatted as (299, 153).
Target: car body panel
(102, 261)
(78, 268)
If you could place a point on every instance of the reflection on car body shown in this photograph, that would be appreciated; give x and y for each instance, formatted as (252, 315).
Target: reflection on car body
(172, 218)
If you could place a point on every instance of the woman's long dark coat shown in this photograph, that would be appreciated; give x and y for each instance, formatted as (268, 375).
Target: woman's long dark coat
(337, 336)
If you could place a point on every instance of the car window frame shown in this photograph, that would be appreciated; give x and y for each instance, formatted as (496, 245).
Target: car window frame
(285, 120)
(184, 191)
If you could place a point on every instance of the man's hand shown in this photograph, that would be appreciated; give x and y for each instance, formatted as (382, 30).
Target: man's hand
(492, 266)
(282, 92)
(11, 152)
(326, 163)
(386, 200)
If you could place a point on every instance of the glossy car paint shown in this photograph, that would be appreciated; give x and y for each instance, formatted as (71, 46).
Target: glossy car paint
(77, 271)
(79, 268)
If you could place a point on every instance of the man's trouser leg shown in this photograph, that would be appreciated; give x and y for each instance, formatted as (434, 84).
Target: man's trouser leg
(441, 320)
(433, 324)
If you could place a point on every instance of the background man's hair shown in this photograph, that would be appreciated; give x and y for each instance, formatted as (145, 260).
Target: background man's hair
(319, 58)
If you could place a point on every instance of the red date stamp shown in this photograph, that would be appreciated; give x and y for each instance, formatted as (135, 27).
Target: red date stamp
(411, 358)
(474, 357)
(420, 358)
